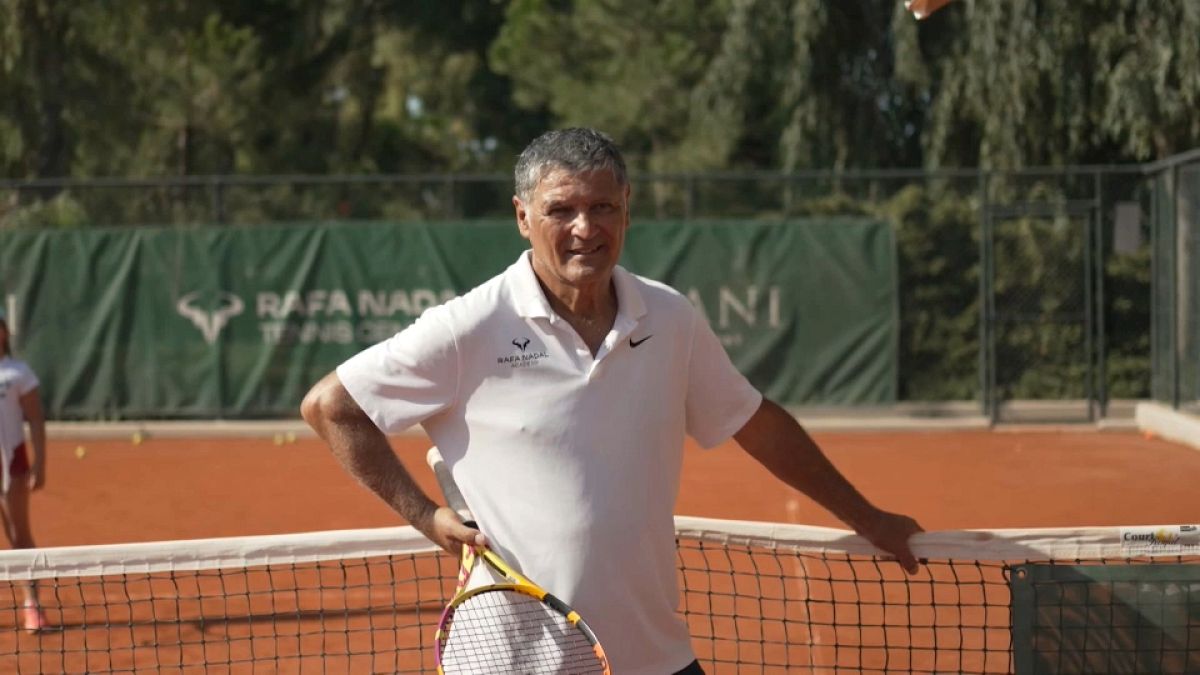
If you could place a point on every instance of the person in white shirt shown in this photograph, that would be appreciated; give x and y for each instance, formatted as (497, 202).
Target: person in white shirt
(560, 393)
(21, 471)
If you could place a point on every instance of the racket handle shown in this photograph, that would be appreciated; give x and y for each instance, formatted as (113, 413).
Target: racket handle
(454, 498)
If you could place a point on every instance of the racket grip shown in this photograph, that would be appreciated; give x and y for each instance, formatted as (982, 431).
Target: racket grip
(454, 498)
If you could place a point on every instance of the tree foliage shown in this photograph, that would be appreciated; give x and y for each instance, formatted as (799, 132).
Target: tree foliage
(175, 87)
(1037, 82)
(624, 66)
(184, 88)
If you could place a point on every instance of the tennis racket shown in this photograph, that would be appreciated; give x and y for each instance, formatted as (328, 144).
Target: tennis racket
(509, 627)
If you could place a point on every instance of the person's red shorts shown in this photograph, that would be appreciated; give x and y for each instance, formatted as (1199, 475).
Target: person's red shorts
(19, 466)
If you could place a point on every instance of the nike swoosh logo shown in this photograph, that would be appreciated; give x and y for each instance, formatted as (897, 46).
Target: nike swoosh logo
(634, 343)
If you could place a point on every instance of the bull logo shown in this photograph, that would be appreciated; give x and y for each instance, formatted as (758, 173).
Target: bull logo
(521, 343)
(210, 323)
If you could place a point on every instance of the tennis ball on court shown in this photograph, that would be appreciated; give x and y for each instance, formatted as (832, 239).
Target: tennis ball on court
(278, 439)
(291, 437)
(80, 451)
(137, 438)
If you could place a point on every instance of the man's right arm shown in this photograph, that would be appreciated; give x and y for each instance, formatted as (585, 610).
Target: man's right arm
(364, 451)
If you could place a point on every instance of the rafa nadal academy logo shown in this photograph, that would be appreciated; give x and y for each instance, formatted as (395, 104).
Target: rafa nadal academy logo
(524, 358)
(210, 321)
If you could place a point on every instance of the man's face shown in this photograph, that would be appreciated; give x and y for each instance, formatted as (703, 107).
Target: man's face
(576, 224)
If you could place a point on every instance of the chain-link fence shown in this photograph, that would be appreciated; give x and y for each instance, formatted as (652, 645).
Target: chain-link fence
(1071, 288)
(1175, 330)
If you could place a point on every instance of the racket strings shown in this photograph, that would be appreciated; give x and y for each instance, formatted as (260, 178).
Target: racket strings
(508, 632)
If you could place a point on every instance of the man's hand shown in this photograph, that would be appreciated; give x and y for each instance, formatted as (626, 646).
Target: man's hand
(774, 438)
(890, 533)
(447, 530)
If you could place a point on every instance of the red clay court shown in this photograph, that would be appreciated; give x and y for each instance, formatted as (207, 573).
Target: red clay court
(186, 488)
(116, 491)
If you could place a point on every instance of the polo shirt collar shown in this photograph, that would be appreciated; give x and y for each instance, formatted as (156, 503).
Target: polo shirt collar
(530, 301)
(528, 297)
(629, 297)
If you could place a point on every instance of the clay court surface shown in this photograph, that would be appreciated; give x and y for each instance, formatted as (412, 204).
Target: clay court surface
(169, 488)
(173, 488)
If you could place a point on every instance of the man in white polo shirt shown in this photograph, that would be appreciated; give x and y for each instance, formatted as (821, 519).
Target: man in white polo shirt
(560, 393)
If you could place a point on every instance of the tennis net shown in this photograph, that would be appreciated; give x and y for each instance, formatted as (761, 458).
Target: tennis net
(758, 597)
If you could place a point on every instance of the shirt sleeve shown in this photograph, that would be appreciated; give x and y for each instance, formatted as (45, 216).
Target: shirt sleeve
(407, 378)
(27, 380)
(720, 400)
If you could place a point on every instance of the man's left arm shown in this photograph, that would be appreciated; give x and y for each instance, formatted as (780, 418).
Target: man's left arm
(31, 406)
(774, 438)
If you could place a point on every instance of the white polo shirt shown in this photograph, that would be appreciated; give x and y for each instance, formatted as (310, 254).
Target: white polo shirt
(16, 380)
(570, 463)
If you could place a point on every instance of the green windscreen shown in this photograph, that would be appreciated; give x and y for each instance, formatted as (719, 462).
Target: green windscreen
(240, 321)
(1106, 619)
